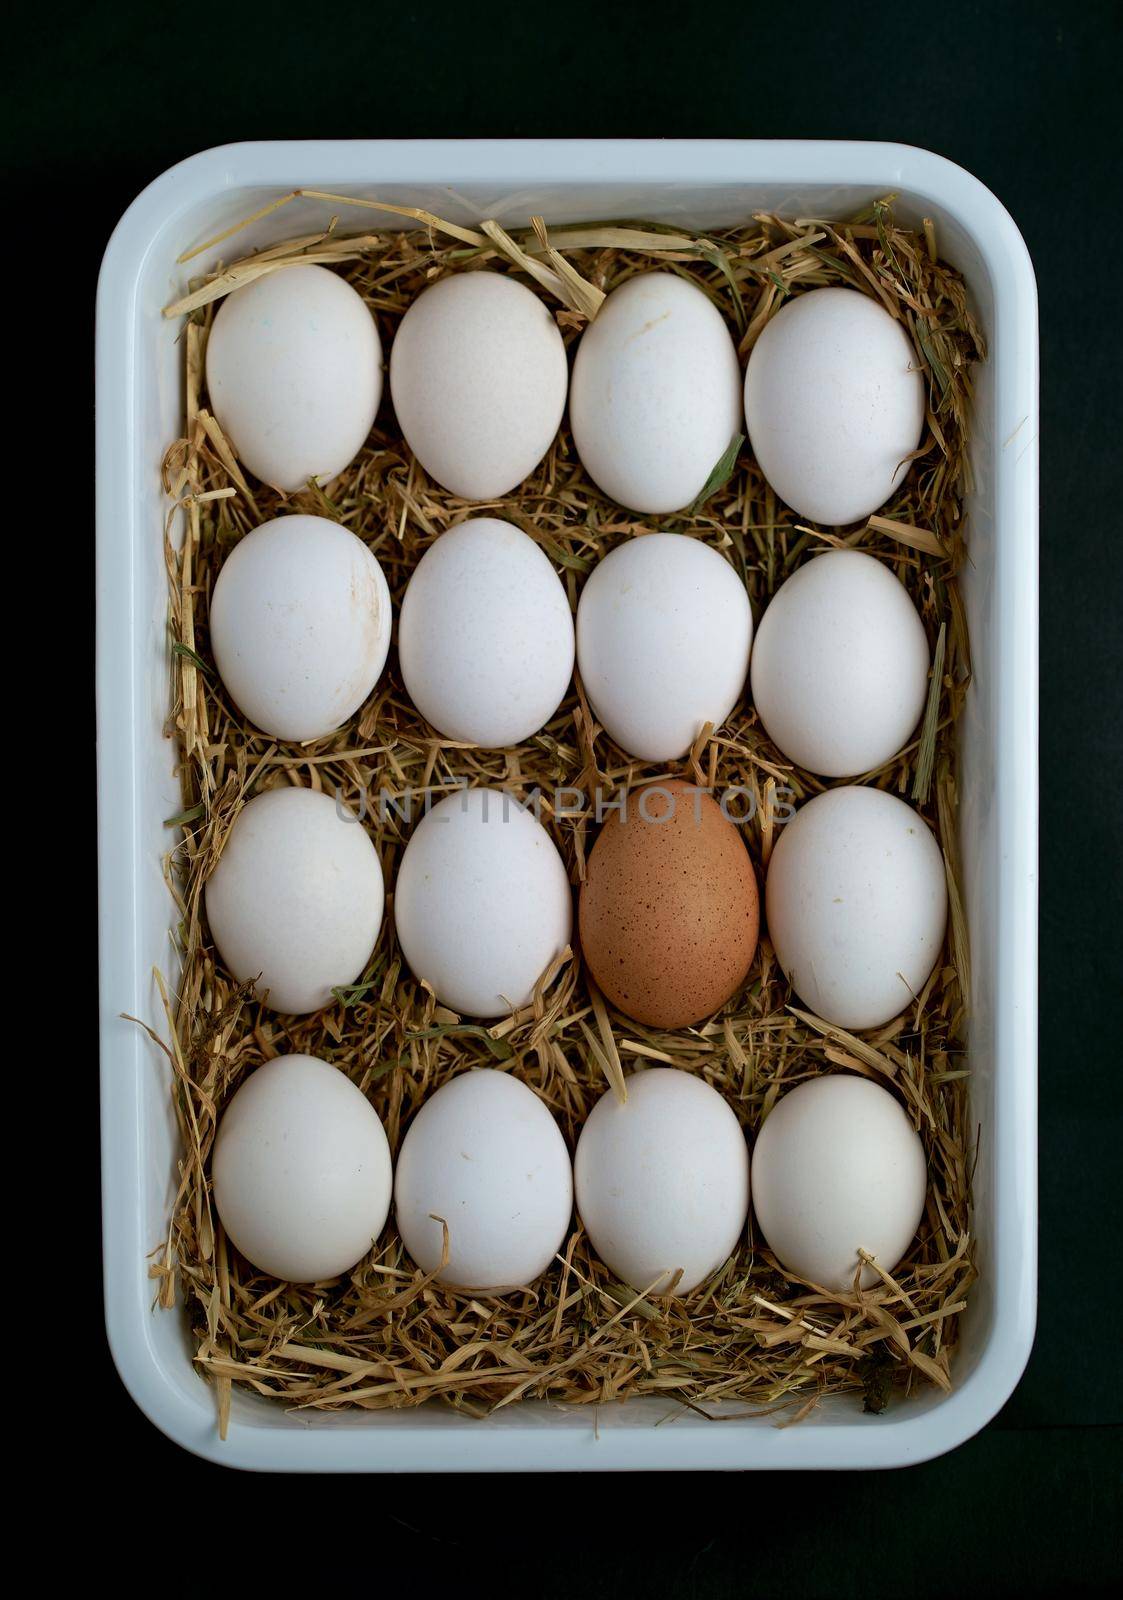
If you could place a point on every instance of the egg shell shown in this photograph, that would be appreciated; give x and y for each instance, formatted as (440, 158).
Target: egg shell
(485, 636)
(664, 630)
(662, 1182)
(485, 1155)
(300, 626)
(295, 902)
(834, 404)
(655, 397)
(838, 1167)
(856, 905)
(839, 668)
(302, 1171)
(478, 377)
(482, 903)
(669, 909)
(294, 374)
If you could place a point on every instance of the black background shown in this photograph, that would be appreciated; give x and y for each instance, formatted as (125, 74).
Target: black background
(101, 99)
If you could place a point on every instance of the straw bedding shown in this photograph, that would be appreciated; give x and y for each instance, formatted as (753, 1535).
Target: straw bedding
(752, 1339)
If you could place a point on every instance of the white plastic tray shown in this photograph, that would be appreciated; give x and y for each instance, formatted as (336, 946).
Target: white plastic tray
(701, 185)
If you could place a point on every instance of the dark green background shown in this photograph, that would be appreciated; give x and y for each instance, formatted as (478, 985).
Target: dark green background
(101, 99)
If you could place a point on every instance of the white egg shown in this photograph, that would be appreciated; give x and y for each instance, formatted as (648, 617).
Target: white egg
(662, 1181)
(656, 393)
(856, 905)
(485, 637)
(664, 629)
(302, 1173)
(300, 625)
(840, 665)
(482, 903)
(294, 374)
(478, 377)
(838, 1167)
(834, 404)
(295, 902)
(485, 1156)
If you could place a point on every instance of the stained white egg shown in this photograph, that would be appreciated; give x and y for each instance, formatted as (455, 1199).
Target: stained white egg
(294, 374)
(662, 1181)
(856, 905)
(485, 1157)
(840, 665)
(664, 630)
(482, 902)
(295, 902)
(485, 637)
(655, 398)
(302, 1172)
(834, 404)
(300, 625)
(478, 377)
(837, 1168)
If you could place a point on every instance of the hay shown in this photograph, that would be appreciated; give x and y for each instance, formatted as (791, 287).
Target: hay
(385, 1336)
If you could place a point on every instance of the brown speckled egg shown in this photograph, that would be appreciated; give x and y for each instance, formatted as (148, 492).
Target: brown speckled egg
(669, 911)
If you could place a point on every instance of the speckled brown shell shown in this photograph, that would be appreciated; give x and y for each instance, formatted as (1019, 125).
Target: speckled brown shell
(669, 910)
